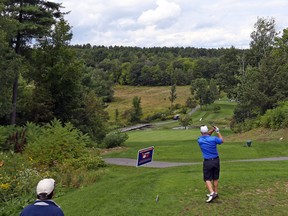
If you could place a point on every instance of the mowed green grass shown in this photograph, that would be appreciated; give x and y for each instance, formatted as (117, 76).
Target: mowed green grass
(245, 188)
(209, 117)
(181, 146)
(254, 188)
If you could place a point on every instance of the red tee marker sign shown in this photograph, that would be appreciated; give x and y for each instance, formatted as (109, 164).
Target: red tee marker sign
(145, 156)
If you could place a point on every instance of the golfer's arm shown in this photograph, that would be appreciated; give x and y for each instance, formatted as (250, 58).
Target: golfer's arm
(211, 131)
(220, 136)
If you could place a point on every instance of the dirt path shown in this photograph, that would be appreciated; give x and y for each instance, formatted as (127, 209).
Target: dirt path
(158, 164)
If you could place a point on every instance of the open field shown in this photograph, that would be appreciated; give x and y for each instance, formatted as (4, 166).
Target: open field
(153, 99)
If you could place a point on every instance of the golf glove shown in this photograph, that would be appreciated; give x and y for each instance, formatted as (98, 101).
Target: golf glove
(216, 129)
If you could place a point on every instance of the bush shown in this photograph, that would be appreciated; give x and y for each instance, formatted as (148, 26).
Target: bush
(244, 126)
(159, 115)
(55, 151)
(176, 106)
(184, 110)
(18, 180)
(276, 118)
(81, 171)
(216, 109)
(88, 163)
(185, 120)
(191, 102)
(114, 139)
(55, 143)
(12, 138)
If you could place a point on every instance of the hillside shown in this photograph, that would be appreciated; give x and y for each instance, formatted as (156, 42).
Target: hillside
(153, 99)
(156, 99)
(260, 134)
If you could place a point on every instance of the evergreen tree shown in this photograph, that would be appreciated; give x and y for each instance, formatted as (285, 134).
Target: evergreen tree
(33, 20)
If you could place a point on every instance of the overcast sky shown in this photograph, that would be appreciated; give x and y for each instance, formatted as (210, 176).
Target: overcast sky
(170, 23)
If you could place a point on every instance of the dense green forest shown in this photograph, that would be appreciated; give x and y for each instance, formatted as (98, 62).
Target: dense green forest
(44, 77)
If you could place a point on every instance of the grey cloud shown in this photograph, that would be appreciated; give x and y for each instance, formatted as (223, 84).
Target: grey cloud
(199, 23)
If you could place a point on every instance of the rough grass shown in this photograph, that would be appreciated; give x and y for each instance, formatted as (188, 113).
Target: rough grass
(153, 99)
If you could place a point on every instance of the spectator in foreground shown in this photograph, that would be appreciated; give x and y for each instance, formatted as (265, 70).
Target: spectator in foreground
(44, 205)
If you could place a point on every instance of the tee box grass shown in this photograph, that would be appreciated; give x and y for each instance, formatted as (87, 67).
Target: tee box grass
(245, 188)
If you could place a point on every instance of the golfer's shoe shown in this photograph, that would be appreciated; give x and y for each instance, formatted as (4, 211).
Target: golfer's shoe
(215, 193)
(211, 197)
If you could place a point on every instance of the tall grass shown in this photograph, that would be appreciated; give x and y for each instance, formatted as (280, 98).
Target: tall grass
(153, 99)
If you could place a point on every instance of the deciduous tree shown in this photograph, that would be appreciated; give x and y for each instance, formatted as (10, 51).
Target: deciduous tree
(173, 95)
(136, 110)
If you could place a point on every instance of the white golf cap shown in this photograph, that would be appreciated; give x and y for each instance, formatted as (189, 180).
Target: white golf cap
(204, 129)
(45, 186)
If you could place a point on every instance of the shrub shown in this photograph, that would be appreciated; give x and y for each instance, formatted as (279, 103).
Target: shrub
(185, 120)
(17, 182)
(55, 143)
(12, 138)
(79, 172)
(176, 106)
(244, 126)
(191, 102)
(33, 132)
(184, 110)
(114, 139)
(276, 118)
(88, 163)
(216, 109)
(158, 115)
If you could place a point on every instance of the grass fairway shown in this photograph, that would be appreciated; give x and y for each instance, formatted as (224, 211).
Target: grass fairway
(245, 188)
(181, 146)
(255, 188)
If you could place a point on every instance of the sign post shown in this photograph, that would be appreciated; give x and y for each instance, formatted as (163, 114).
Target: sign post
(145, 156)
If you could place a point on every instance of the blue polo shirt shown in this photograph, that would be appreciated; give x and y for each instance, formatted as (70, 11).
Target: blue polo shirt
(208, 145)
(43, 208)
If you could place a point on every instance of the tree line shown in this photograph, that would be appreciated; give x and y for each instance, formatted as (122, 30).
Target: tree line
(44, 77)
(155, 66)
(254, 77)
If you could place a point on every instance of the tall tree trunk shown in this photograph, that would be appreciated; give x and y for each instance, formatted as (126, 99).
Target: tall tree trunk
(14, 99)
(15, 82)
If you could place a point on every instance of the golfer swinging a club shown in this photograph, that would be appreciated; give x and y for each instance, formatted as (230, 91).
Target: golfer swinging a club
(211, 165)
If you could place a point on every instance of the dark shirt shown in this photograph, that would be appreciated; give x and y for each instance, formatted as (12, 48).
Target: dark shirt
(42, 208)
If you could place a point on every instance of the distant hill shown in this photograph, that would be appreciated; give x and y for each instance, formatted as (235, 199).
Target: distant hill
(153, 99)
